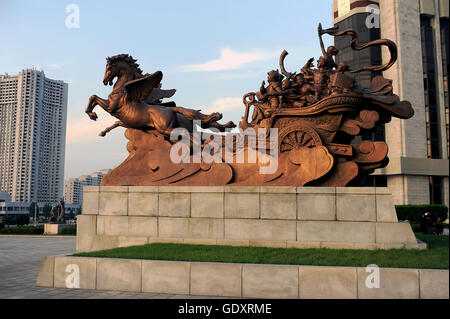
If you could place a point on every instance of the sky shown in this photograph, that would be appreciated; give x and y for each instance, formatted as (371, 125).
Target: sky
(213, 52)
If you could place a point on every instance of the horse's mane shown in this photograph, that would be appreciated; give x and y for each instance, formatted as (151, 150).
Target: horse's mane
(129, 59)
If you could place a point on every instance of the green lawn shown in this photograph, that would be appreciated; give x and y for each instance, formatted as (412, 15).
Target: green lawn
(436, 257)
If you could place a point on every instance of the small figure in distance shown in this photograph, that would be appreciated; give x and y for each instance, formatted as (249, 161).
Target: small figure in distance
(53, 217)
(429, 224)
(61, 217)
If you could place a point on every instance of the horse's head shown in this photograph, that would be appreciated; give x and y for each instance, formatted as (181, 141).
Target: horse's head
(117, 63)
(112, 70)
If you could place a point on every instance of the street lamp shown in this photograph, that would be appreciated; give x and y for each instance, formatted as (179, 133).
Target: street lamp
(35, 212)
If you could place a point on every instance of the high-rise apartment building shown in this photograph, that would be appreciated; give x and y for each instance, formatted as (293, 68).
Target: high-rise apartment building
(33, 112)
(73, 188)
(419, 147)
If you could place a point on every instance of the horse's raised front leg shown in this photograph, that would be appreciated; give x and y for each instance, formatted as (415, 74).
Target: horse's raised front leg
(108, 129)
(94, 100)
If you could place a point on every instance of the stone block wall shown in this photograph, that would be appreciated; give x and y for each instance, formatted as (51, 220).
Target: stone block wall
(243, 280)
(302, 217)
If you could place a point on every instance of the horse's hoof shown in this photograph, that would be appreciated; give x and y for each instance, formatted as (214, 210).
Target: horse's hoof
(230, 124)
(102, 134)
(216, 116)
(93, 116)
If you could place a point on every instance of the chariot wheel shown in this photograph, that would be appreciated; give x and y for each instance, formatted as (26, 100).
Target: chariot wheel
(296, 135)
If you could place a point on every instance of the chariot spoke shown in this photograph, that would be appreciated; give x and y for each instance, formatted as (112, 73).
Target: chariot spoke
(288, 143)
(307, 140)
(293, 140)
(300, 136)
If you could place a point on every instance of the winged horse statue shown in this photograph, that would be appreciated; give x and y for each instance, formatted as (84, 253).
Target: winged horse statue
(136, 101)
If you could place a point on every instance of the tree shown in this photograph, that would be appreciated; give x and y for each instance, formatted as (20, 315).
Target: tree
(70, 214)
(47, 210)
(9, 220)
(32, 208)
(22, 220)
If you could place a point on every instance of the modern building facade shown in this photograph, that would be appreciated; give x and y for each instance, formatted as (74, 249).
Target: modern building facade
(33, 112)
(418, 172)
(73, 188)
(9, 208)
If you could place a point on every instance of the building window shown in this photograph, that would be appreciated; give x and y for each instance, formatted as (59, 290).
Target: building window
(429, 83)
(436, 189)
(357, 59)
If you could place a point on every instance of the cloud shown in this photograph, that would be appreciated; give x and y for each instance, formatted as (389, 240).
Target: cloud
(236, 75)
(229, 60)
(84, 129)
(58, 65)
(225, 104)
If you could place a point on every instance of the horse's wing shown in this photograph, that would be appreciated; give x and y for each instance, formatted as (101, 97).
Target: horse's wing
(139, 89)
(158, 94)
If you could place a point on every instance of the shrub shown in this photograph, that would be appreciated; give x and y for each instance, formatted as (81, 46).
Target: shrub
(19, 219)
(9, 220)
(23, 230)
(413, 213)
(22, 220)
(416, 227)
(69, 231)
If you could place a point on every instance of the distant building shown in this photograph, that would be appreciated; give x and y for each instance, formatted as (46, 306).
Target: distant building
(73, 188)
(33, 111)
(9, 208)
(418, 172)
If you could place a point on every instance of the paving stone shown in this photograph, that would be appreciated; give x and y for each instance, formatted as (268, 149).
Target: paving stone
(20, 261)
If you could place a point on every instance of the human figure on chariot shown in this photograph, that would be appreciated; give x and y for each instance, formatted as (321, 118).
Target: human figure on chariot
(316, 78)
(270, 96)
(273, 89)
(307, 71)
(289, 93)
(321, 79)
(303, 92)
(331, 52)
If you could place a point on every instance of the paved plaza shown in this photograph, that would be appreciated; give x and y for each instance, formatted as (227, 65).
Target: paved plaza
(20, 261)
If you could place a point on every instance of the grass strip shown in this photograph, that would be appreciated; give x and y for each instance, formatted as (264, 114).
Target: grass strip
(435, 257)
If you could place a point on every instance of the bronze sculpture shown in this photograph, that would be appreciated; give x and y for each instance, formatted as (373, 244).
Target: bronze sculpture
(53, 217)
(135, 101)
(61, 217)
(58, 215)
(317, 112)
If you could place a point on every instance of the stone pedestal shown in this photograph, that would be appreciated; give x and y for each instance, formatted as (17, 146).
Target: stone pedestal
(301, 217)
(54, 229)
(241, 280)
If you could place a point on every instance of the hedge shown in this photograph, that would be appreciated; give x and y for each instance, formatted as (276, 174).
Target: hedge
(69, 231)
(19, 220)
(413, 213)
(23, 230)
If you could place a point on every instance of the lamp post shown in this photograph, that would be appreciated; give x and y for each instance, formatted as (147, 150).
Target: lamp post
(35, 213)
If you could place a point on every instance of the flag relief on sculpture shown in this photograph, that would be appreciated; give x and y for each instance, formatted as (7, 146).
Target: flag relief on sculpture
(297, 129)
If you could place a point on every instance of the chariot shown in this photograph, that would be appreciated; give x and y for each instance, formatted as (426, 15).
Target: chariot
(324, 106)
(333, 121)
